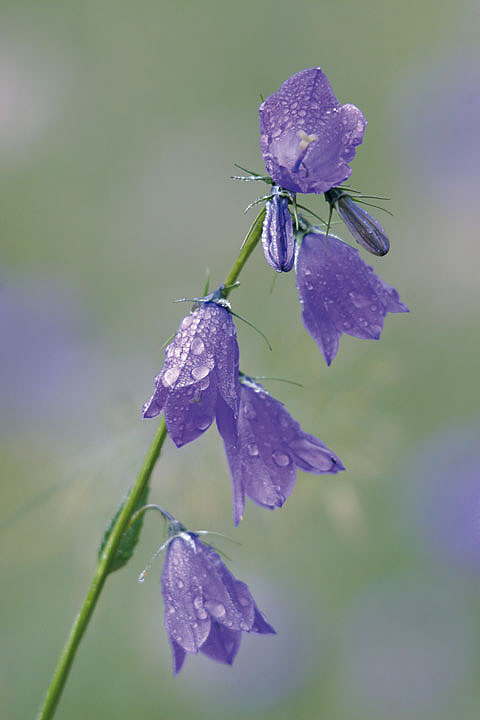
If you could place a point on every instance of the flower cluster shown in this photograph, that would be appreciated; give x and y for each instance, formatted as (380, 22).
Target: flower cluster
(307, 140)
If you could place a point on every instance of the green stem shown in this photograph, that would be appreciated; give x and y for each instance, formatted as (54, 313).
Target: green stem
(254, 235)
(81, 621)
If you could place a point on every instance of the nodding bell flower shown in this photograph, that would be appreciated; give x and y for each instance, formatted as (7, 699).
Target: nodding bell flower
(206, 608)
(265, 449)
(307, 138)
(199, 379)
(365, 229)
(277, 232)
(340, 293)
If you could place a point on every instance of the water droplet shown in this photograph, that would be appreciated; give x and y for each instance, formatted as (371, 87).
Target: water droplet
(197, 602)
(244, 626)
(199, 372)
(280, 458)
(215, 609)
(187, 321)
(249, 411)
(171, 610)
(170, 376)
(202, 614)
(203, 384)
(202, 422)
(308, 285)
(197, 347)
(180, 584)
(252, 449)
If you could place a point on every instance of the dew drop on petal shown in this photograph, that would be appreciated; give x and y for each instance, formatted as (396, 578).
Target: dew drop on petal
(203, 384)
(252, 449)
(187, 321)
(202, 614)
(199, 372)
(197, 347)
(180, 584)
(171, 376)
(280, 458)
(197, 602)
(249, 412)
(215, 609)
(202, 422)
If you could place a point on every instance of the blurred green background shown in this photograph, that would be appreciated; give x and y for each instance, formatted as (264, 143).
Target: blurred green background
(119, 126)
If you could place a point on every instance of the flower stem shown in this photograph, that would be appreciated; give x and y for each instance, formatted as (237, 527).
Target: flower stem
(81, 621)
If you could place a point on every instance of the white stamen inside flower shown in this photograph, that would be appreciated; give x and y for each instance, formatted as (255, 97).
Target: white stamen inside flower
(305, 139)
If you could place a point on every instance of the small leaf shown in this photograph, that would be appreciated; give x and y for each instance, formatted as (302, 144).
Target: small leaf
(129, 538)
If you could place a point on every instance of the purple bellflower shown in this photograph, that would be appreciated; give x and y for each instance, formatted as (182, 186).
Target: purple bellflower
(265, 449)
(277, 233)
(307, 138)
(206, 608)
(340, 293)
(199, 379)
(365, 229)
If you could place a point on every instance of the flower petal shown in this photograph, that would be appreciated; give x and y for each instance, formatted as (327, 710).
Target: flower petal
(269, 446)
(261, 624)
(179, 656)
(222, 644)
(306, 136)
(186, 622)
(340, 293)
(201, 364)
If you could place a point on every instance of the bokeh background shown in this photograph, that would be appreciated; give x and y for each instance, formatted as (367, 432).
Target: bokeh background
(119, 126)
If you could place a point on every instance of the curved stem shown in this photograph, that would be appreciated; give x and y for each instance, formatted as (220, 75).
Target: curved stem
(81, 621)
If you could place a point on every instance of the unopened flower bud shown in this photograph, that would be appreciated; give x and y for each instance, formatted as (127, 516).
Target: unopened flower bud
(365, 229)
(277, 233)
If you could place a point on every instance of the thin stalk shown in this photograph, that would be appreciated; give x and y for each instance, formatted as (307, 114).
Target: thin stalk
(81, 621)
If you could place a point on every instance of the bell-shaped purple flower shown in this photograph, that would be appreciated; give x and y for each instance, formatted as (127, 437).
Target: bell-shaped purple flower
(307, 138)
(199, 378)
(340, 293)
(366, 230)
(206, 608)
(265, 449)
(277, 233)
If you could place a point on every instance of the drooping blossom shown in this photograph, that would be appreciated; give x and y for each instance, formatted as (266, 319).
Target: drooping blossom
(307, 138)
(199, 378)
(206, 608)
(266, 447)
(277, 233)
(366, 230)
(340, 293)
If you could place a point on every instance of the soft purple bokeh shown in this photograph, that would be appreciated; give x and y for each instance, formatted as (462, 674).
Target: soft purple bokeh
(278, 241)
(51, 365)
(438, 116)
(206, 608)
(340, 293)
(265, 449)
(307, 138)
(199, 379)
(405, 650)
(444, 496)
